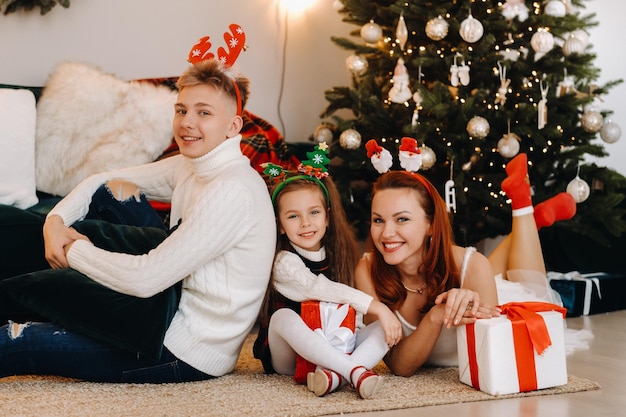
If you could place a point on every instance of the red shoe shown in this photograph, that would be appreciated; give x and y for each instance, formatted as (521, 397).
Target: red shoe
(323, 381)
(368, 384)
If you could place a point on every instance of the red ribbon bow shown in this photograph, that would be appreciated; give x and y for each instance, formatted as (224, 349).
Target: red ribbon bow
(530, 334)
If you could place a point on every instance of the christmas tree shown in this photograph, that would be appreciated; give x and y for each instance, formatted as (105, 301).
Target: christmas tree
(476, 82)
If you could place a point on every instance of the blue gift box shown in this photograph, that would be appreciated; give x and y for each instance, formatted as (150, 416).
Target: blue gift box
(590, 293)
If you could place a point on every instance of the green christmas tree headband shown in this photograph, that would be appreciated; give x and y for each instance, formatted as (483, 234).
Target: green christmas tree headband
(312, 169)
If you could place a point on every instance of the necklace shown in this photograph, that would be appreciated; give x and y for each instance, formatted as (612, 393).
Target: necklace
(419, 290)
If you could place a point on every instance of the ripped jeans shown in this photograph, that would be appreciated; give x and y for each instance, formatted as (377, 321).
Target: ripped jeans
(46, 348)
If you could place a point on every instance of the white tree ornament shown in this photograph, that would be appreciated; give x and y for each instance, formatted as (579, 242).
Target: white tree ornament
(471, 30)
(371, 32)
(402, 32)
(542, 42)
(437, 28)
(610, 132)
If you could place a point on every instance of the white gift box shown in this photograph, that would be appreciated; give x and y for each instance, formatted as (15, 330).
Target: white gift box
(496, 359)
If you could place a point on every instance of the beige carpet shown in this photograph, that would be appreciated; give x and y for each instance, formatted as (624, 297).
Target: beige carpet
(245, 392)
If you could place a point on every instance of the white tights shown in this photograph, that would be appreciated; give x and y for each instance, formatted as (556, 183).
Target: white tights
(289, 335)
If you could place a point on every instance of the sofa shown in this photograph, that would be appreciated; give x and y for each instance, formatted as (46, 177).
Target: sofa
(84, 121)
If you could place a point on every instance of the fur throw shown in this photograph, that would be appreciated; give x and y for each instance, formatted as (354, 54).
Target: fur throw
(89, 122)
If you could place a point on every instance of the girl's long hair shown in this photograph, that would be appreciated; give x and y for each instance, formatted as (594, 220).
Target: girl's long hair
(342, 249)
(438, 267)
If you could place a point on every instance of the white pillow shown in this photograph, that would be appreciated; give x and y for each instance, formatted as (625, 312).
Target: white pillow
(18, 115)
(89, 122)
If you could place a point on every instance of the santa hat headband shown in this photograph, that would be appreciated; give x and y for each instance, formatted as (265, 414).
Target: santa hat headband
(312, 169)
(235, 41)
(409, 155)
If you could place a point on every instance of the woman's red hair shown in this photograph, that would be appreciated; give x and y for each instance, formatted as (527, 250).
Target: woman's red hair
(439, 267)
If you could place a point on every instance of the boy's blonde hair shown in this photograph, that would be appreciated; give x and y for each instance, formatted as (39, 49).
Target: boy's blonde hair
(213, 73)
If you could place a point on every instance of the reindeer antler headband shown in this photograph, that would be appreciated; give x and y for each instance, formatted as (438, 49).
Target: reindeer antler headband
(312, 169)
(235, 41)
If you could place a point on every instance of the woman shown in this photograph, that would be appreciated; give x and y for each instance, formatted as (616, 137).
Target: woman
(434, 285)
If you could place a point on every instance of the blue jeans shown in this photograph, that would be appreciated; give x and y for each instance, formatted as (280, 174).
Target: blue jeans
(48, 349)
(45, 348)
(132, 212)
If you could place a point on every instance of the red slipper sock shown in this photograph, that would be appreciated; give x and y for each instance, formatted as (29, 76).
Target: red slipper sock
(560, 207)
(516, 184)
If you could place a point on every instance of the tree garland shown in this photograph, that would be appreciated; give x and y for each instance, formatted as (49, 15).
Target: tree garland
(11, 6)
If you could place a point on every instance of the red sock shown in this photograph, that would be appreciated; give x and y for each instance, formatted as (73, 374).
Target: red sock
(560, 207)
(516, 184)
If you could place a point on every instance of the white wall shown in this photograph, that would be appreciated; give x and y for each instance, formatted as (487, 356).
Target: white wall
(151, 38)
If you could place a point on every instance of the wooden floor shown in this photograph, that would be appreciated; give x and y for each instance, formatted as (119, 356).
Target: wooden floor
(604, 363)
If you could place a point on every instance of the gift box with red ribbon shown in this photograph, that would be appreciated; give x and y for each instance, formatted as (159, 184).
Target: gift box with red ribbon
(522, 350)
(334, 322)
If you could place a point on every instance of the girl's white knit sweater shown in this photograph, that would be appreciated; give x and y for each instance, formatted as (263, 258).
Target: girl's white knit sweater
(222, 250)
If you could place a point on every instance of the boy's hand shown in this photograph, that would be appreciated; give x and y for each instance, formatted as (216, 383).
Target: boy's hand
(57, 236)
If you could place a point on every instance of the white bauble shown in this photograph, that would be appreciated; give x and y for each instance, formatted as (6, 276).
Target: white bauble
(437, 28)
(582, 35)
(573, 45)
(322, 133)
(610, 132)
(371, 32)
(478, 127)
(471, 30)
(337, 5)
(357, 64)
(542, 41)
(555, 8)
(428, 157)
(592, 121)
(350, 139)
(508, 145)
(578, 189)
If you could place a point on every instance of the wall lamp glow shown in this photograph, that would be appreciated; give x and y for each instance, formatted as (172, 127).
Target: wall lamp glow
(297, 6)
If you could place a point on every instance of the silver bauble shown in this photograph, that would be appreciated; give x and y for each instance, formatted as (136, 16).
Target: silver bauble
(478, 127)
(437, 28)
(357, 64)
(350, 139)
(508, 145)
(610, 132)
(322, 133)
(428, 157)
(471, 30)
(591, 121)
(371, 32)
(578, 189)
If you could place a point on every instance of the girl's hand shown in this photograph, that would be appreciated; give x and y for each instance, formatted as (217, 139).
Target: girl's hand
(390, 323)
(462, 306)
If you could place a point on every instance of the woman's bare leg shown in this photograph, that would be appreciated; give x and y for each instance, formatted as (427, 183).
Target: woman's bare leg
(522, 248)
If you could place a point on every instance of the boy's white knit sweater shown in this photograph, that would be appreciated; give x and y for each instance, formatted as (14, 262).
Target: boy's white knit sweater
(222, 250)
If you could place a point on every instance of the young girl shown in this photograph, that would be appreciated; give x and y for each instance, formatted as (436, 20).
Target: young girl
(315, 260)
(434, 285)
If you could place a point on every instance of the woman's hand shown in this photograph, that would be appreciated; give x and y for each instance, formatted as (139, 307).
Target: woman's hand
(57, 236)
(390, 323)
(462, 306)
